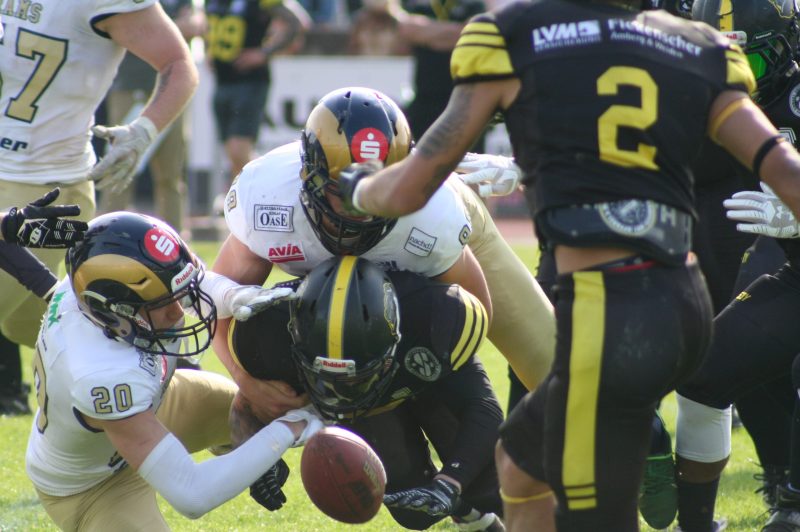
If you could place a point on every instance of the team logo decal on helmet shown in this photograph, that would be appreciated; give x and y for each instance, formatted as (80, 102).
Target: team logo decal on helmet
(369, 144)
(160, 245)
(794, 100)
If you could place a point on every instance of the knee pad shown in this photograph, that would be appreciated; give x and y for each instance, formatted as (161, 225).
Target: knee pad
(704, 433)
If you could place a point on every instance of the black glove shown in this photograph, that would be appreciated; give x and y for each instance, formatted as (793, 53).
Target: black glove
(38, 225)
(437, 499)
(349, 178)
(266, 491)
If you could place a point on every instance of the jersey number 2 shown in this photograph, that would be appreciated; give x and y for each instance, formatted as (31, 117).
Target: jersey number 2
(50, 55)
(630, 116)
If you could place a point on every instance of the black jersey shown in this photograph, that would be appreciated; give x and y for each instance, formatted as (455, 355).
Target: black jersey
(614, 103)
(441, 327)
(234, 25)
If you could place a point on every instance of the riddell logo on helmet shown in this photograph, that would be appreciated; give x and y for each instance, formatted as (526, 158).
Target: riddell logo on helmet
(161, 245)
(185, 275)
(369, 144)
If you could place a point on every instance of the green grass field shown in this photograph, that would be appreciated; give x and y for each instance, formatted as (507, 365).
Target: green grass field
(20, 510)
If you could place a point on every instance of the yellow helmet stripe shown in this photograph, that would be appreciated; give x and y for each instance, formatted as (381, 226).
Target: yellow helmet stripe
(341, 289)
(725, 15)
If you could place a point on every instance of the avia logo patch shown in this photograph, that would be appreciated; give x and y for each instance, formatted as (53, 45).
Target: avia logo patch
(160, 245)
(369, 144)
(566, 34)
(287, 253)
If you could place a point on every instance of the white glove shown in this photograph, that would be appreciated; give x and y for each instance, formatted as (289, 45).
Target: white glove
(495, 175)
(308, 414)
(246, 301)
(128, 143)
(763, 213)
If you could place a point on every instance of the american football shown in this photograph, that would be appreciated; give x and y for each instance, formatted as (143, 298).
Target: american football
(342, 475)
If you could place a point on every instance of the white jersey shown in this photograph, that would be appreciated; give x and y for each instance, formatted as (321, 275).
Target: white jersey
(78, 369)
(263, 210)
(55, 71)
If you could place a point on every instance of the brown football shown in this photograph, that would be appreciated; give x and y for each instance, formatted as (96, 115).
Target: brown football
(342, 475)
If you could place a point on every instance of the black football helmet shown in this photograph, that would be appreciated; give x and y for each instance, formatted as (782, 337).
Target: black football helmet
(349, 125)
(345, 329)
(130, 264)
(767, 31)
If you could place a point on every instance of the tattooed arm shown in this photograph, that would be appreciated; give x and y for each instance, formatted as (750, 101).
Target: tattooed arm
(243, 421)
(406, 186)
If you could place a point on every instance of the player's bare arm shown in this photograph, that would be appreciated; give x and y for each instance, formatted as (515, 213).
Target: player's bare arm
(740, 126)
(406, 186)
(268, 399)
(153, 37)
(243, 421)
(468, 273)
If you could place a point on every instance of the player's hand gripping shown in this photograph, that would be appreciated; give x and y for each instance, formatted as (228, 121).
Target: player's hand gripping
(308, 414)
(243, 302)
(494, 175)
(348, 181)
(762, 213)
(438, 499)
(118, 167)
(39, 224)
(267, 491)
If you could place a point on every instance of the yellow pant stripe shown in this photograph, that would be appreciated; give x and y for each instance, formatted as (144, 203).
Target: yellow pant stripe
(588, 325)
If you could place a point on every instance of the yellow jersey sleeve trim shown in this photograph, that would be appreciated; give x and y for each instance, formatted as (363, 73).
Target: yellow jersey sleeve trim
(472, 333)
(739, 73)
(234, 356)
(480, 52)
(265, 4)
(718, 120)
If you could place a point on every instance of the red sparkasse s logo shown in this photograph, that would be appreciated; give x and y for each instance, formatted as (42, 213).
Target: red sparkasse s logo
(161, 245)
(287, 253)
(369, 144)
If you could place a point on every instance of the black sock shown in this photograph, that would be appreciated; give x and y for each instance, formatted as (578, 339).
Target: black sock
(10, 365)
(696, 505)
